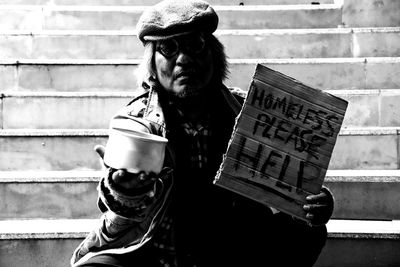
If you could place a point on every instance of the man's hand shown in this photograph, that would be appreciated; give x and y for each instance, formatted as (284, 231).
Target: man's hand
(129, 180)
(126, 179)
(319, 207)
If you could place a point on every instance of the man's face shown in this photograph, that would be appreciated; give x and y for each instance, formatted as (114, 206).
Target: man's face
(184, 64)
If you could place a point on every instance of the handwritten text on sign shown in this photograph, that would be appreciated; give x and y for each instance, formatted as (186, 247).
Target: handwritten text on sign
(282, 142)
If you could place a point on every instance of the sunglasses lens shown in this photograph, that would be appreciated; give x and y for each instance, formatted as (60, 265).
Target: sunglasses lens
(191, 43)
(195, 44)
(168, 47)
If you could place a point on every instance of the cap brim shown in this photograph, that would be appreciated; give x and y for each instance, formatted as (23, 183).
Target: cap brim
(164, 37)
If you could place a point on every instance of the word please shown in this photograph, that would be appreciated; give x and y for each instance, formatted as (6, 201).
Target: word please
(304, 140)
(319, 120)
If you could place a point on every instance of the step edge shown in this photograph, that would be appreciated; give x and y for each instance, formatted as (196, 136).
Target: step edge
(369, 176)
(72, 94)
(53, 132)
(221, 32)
(233, 61)
(50, 176)
(347, 131)
(332, 176)
(141, 8)
(123, 94)
(388, 229)
(364, 229)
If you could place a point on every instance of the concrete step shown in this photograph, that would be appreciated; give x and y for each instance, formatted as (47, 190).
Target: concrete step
(366, 13)
(28, 150)
(365, 194)
(49, 194)
(371, 108)
(285, 43)
(359, 194)
(51, 242)
(61, 110)
(117, 75)
(51, 17)
(76, 110)
(67, 149)
(356, 13)
(152, 2)
(361, 243)
(366, 148)
(47, 243)
(332, 73)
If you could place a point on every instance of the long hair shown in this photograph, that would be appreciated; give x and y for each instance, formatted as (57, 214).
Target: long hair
(146, 71)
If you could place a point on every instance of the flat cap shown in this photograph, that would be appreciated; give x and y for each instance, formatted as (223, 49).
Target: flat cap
(170, 18)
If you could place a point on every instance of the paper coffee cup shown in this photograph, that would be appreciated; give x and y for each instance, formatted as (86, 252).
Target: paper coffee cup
(135, 151)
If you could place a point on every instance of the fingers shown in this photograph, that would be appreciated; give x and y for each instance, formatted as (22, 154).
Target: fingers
(321, 197)
(122, 175)
(119, 176)
(132, 180)
(100, 150)
(319, 208)
(314, 207)
(318, 214)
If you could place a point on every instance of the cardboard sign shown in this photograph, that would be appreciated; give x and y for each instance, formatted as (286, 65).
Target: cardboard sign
(282, 142)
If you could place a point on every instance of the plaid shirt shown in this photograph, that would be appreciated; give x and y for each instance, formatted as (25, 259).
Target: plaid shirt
(199, 135)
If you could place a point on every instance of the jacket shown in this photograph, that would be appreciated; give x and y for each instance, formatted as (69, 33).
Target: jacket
(212, 227)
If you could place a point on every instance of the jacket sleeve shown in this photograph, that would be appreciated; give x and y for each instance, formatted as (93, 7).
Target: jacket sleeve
(128, 221)
(129, 216)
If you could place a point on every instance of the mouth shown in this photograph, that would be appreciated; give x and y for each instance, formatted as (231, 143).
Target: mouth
(184, 74)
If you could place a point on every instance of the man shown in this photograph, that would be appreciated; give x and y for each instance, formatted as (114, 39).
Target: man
(180, 218)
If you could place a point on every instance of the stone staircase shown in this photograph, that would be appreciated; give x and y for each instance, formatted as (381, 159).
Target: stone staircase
(66, 66)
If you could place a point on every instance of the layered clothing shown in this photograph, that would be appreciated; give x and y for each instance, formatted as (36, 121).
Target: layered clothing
(183, 219)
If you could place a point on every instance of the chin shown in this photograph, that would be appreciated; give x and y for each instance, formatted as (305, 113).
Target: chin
(188, 92)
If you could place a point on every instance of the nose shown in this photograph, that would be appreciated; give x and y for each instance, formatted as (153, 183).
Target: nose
(184, 58)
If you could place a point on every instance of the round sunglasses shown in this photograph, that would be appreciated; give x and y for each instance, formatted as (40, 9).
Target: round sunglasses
(193, 44)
